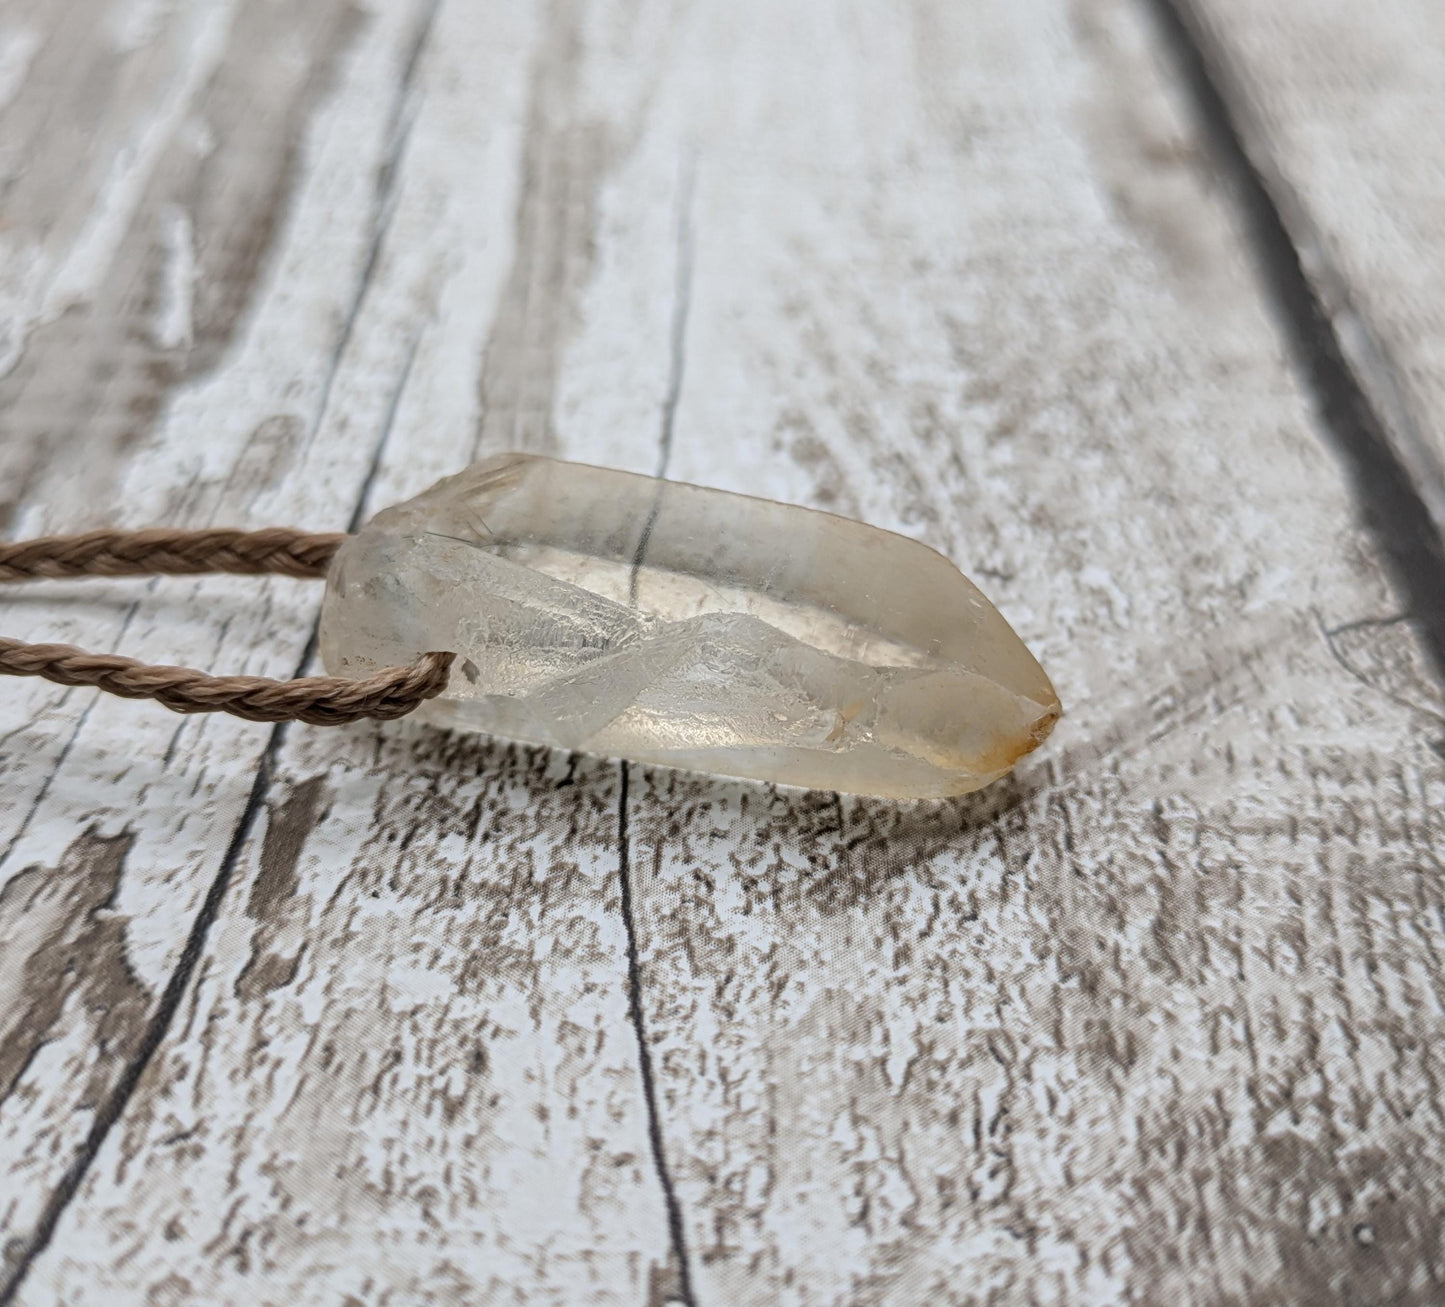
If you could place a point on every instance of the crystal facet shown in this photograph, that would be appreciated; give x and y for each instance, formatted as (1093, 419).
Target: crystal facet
(666, 623)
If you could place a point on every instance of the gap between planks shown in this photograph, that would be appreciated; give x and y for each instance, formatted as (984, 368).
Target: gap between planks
(1394, 504)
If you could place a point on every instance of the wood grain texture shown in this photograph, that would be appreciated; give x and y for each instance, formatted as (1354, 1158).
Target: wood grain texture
(87, 442)
(1158, 1019)
(288, 423)
(1339, 106)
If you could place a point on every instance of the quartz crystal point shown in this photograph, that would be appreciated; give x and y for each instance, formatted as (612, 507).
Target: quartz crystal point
(618, 614)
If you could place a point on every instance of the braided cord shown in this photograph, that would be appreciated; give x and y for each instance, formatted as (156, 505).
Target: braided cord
(320, 700)
(160, 550)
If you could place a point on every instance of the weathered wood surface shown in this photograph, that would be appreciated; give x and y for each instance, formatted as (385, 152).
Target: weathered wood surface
(1340, 107)
(325, 1016)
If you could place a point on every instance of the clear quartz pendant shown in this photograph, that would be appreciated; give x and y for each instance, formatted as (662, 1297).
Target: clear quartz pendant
(666, 623)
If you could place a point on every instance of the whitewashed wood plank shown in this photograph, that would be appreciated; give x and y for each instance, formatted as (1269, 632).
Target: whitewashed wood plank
(438, 1093)
(116, 818)
(406, 1072)
(126, 836)
(1160, 1019)
(1342, 111)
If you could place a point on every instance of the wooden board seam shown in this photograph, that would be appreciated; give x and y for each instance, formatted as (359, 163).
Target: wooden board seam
(1347, 371)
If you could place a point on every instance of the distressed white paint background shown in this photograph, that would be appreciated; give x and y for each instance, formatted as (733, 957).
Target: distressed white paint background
(1157, 1018)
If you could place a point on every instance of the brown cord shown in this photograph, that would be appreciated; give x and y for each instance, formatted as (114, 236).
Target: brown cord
(320, 700)
(160, 550)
